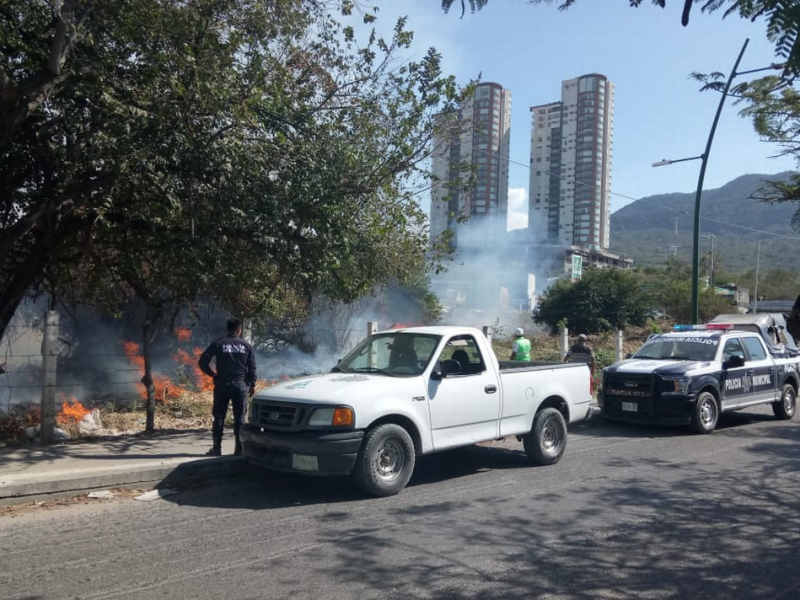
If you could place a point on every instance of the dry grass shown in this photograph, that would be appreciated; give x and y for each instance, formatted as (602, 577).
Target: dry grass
(188, 411)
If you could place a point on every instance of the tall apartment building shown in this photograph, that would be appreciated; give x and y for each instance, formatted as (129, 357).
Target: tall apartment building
(571, 143)
(479, 150)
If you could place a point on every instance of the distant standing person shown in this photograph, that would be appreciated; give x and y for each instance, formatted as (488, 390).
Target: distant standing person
(580, 351)
(521, 348)
(236, 372)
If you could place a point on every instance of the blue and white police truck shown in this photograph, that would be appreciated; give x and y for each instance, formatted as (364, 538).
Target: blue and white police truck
(693, 374)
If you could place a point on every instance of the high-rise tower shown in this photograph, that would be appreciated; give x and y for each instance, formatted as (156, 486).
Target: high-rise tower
(571, 144)
(471, 168)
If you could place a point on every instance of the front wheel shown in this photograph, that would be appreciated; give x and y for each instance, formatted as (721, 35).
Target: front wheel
(706, 413)
(547, 440)
(785, 408)
(386, 460)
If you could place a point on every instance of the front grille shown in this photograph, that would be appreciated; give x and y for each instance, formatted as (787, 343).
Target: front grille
(277, 415)
(629, 396)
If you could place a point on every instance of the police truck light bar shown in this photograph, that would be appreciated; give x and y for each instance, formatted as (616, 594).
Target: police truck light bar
(708, 327)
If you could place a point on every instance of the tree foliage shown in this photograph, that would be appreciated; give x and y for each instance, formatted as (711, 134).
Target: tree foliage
(252, 151)
(774, 106)
(602, 300)
(782, 18)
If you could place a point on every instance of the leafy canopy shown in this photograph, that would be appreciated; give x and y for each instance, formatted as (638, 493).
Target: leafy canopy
(248, 151)
(782, 17)
(602, 300)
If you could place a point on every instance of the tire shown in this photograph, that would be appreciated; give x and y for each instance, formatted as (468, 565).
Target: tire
(386, 460)
(706, 413)
(547, 440)
(785, 408)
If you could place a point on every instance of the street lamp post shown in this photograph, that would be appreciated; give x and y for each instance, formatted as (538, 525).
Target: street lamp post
(698, 195)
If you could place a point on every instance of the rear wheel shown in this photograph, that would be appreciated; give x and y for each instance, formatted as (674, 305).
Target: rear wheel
(547, 440)
(785, 407)
(386, 460)
(706, 413)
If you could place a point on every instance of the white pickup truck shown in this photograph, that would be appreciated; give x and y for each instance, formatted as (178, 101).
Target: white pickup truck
(408, 392)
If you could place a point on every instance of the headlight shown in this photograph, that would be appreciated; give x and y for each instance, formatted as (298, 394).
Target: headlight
(676, 385)
(327, 417)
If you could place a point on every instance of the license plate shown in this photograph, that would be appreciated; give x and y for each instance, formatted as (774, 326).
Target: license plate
(302, 462)
(630, 406)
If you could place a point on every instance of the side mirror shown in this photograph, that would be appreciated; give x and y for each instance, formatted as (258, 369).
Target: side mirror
(629, 355)
(735, 361)
(445, 368)
(451, 367)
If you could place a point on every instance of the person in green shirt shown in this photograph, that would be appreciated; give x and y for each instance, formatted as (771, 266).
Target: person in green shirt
(521, 348)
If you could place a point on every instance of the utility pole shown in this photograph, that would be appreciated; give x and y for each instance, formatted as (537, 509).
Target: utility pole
(758, 261)
(711, 237)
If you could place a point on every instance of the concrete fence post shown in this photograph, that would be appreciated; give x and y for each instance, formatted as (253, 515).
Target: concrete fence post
(620, 350)
(247, 330)
(372, 328)
(49, 367)
(564, 342)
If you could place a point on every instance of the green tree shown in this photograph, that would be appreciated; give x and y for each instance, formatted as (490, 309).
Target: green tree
(669, 289)
(250, 151)
(773, 103)
(603, 300)
(782, 17)
(773, 283)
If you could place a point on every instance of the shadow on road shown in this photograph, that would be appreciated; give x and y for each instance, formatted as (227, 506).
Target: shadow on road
(250, 487)
(601, 427)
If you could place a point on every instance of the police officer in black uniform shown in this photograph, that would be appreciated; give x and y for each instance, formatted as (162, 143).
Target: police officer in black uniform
(236, 372)
(581, 352)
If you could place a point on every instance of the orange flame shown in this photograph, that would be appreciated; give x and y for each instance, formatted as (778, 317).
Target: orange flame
(164, 387)
(184, 334)
(201, 380)
(72, 411)
(402, 325)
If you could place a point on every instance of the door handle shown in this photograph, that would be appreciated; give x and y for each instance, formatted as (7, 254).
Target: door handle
(490, 389)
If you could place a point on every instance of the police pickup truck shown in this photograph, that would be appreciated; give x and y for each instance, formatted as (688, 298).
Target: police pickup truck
(408, 392)
(691, 375)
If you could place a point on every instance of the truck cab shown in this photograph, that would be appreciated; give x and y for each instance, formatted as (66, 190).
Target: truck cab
(404, 393)
(692, 375)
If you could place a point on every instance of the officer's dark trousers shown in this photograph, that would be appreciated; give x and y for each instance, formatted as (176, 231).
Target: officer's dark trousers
(236, 394)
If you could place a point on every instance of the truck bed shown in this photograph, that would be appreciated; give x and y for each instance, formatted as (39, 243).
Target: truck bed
(514, 366)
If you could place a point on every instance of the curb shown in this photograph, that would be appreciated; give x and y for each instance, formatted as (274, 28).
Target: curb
(19, 489)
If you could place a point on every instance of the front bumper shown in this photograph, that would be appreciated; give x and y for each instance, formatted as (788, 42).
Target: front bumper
(666, 409)
(309, 452)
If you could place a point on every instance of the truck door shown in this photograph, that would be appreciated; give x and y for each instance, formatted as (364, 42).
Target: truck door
(734, 380)
(739, 382)
(764, 377)
(464, 405)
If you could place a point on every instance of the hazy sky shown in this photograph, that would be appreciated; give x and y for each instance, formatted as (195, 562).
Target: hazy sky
(647, 54)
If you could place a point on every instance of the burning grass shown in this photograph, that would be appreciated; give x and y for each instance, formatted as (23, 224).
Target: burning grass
(188, 410)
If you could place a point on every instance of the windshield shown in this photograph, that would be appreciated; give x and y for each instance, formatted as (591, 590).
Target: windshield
(678, 348)
(394, 354)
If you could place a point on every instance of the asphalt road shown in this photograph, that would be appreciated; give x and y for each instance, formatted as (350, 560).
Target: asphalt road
(629, 512)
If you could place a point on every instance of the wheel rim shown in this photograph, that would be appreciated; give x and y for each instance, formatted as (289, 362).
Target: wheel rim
(789, 401)
(389, 460)
(708, 413)
(551, 437)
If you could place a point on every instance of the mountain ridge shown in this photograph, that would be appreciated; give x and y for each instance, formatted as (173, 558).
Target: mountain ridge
(740, 227)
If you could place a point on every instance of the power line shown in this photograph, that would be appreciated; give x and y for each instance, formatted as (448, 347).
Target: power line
(631, 198)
